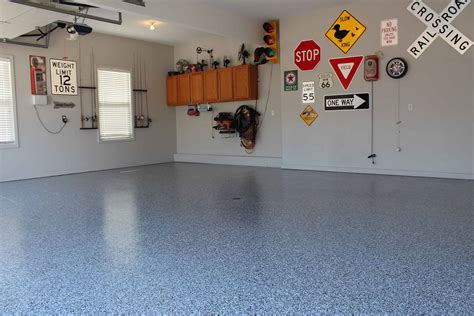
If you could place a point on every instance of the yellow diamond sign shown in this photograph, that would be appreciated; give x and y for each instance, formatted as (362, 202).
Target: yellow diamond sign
(309, 115)
(345, 31)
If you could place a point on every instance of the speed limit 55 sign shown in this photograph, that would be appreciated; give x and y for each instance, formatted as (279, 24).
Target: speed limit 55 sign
(307, 95)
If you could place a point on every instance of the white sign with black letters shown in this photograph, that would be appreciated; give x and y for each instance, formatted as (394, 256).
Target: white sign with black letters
(308, 92)
(389, 32)
(439, 25)
(63, 77)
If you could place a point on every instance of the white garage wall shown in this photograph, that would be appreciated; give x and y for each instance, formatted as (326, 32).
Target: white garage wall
(436, 137)
(42, 154)
(194, 141)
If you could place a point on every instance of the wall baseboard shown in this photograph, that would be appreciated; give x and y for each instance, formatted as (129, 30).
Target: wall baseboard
(273, 162)
(66, 173)
(390, 172)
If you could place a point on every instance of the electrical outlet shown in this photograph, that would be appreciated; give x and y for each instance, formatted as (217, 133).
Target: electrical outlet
(410, 107)
(273, 112)
(65, 119)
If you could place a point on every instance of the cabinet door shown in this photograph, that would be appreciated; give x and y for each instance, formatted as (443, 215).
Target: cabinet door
(172, 91)
(184, 90)
(197, 88)
(245, 82)
(225, 84)
(211, 86)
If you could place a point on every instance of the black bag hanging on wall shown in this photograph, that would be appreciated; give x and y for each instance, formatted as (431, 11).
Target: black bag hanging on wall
(246, 124)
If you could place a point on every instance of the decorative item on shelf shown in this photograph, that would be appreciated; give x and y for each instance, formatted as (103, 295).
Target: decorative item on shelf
(182, 65)
(193, 110)
(226, 61)
(202, 65)
(259, 56)
(200, 50)
(215, 64)
(243, 54)
(193, 68)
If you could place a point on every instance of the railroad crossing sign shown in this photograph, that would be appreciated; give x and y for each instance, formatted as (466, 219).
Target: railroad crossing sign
(345, 31)
(307, 55)
(439, 25)
(346, 102)
(309, 115)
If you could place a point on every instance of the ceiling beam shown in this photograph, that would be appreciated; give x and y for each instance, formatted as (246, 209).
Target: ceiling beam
(200, 17)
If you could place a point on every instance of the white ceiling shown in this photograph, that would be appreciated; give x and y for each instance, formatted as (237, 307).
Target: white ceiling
(264, 9)
(181, 20)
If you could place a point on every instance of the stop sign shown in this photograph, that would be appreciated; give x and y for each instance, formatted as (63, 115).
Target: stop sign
(307, 55)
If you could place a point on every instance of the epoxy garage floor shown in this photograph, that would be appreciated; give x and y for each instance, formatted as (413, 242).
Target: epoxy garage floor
(183, 238)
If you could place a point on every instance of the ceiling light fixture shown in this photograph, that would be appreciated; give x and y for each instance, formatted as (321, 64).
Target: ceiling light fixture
(152, 26)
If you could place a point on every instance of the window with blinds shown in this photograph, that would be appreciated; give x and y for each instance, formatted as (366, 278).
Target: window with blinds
(115, 105)
(8, 137)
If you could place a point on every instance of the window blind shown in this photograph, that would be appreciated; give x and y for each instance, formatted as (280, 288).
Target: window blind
(115, 105)
(7, 106)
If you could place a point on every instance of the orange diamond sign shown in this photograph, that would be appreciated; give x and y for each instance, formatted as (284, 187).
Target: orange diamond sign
(309, 115)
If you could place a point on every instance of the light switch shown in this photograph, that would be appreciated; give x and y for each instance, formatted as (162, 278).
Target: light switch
(410, 107)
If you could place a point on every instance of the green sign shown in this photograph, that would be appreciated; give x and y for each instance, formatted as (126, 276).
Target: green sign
(291, 80)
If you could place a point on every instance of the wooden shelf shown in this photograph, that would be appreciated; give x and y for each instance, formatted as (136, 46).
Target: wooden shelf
(230, 84)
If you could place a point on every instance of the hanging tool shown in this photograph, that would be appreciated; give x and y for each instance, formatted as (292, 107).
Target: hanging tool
(140, 92)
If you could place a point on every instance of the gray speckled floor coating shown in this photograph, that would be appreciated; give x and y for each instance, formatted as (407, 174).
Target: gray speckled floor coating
(171, 239)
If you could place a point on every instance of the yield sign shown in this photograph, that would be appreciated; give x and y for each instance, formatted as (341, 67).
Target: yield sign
(346, 68)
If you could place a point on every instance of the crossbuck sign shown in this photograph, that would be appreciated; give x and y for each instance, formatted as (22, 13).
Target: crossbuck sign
(439, 25)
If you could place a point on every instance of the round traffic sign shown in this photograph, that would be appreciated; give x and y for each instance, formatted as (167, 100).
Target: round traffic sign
(307, 55)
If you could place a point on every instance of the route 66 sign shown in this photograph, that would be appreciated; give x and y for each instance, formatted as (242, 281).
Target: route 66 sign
(325, 80)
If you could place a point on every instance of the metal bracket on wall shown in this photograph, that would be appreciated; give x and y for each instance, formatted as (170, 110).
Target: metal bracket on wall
(8, 41)
(69, 12)
(45, 44)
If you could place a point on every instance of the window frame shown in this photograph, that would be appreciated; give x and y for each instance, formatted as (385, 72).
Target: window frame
(16, 143)
(132, 105)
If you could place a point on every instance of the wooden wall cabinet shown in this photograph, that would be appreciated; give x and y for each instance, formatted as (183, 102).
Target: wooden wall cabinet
(226, 85)
(184, 89)
(245, 80)
(211, 86)
(172, 90)
(197, 88)
(223, 85)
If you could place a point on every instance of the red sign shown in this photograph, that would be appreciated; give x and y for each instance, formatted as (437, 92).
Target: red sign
(345, 68)
(307, 55)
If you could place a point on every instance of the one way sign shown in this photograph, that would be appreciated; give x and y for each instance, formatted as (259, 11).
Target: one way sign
(346, 102)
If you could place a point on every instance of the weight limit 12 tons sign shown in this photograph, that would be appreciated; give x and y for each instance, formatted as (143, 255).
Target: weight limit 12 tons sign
(63, 77)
